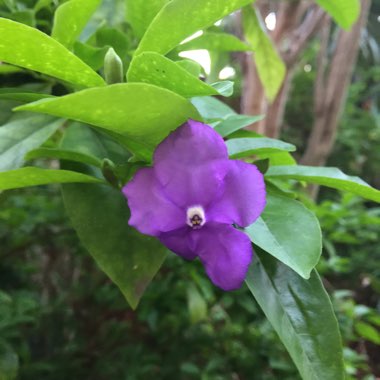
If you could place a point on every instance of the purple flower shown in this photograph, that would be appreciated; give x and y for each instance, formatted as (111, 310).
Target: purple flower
(191, 197)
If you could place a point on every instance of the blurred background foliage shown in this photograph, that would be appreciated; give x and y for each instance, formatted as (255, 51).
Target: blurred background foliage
(61, 318)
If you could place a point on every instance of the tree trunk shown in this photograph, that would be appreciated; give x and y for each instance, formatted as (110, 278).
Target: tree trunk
(297, 22)
(331, 92)
(253, 100)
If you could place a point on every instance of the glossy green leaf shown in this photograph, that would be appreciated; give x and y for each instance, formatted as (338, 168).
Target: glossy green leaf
(39, 52)
(216, 42)
(330, 177)
(179, 19)
(140, 13)
(290, 232)
(270, 67)
(100, 216)
(281, 159)
(63, 154)
(233, 123)
(70, 18)
(302, 315)
(344, 12)
(275, 157)
(31, 176)
(156, 69)
(141, 112)
(245, 147)
(211, 108)
(224, 88)
(21, 135)
(194, 68)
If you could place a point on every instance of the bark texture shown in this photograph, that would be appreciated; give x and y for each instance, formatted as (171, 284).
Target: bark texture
(296, 23)
(331, 88)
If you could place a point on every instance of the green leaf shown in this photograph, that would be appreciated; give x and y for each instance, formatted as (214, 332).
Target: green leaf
(290, 232)
(196, 304)
(21, 135)
(92, 56)
(26, 17)
(211, 108)
(9, 363)
(262, 166)
(216, 42)
(85, 140)
(100, 216)
(140, 13)
(64, 154)
(270, 67)
(156, 69)
(194, 68)
(330, 177)
(6, 112)
(368, 332)
(112, 37)
(31, 176)
(245, 147)
(275, 188)
(179, 19)
(8, 69)
(233, 123)
(141, 112)
(301, 313)
(21, 95)
(224, 88)
(39, 52)
(279, 158)
(70, 18)
(40, 4)
(344, 12)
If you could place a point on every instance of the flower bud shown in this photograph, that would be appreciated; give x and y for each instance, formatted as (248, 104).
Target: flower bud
(113, 67)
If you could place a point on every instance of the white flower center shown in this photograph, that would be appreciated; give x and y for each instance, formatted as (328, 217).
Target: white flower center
(195, 217)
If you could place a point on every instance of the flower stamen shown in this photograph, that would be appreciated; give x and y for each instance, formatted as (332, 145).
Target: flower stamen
(195, 217)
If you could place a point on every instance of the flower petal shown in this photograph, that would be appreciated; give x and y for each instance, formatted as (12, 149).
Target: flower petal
(194, 143)
(151, 212)
(191, 164)
(181, 242)
(197, 185)
(226, 254)
(243, 199)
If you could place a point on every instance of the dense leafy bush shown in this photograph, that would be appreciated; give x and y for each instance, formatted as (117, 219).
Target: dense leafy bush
(89, 91)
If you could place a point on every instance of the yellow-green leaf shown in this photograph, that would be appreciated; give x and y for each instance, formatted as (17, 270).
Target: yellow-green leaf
(27, 47)
(179, 19)
(270, 67)
(70, 18)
